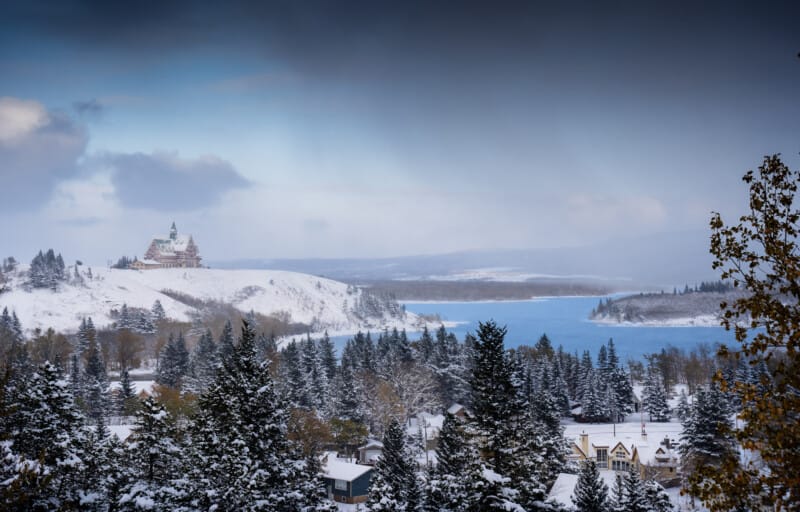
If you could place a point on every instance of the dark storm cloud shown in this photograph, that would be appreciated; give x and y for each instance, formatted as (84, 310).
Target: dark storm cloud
(38, 149)
(165, 182)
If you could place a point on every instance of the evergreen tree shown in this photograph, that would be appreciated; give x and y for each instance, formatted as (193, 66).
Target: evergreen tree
(241, 457)
(394, 474)
(706, 440)
(225, 345)
(655, 396)
(126, 397)
(617, 500)
(173, 362)
(155, 459)
(203, 365)
(158, 311)
(455, 483)
(657, 497)
(45, 426)
(634, 498)
(95, 385)
(591, 493)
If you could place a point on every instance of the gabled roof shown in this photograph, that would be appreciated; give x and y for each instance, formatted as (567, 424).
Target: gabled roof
(371, 443)
(338, 469)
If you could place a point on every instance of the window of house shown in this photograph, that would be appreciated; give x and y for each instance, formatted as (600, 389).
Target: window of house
(620, 465)
(340, 485)
(602, 458)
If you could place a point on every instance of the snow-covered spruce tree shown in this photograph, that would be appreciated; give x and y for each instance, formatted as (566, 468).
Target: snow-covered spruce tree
(173, 362)
(47, 427)
(591, 493)
(617, 497)
(96, 400)
(657, 497)
(241, 458)
(493, 394)
(86, 335)
(503, 426)
(594, 404)
(203, 365)
(456, 482)
(634, 498)
(225, 344)
(706, 440)
(394, 474)
(107, 473)
(154, 455)
(126, 401)
(655, 396)
(349, 392)
(157, 311)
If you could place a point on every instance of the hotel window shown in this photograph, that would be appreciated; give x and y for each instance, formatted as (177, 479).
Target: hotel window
(341, 485)
(602, 458)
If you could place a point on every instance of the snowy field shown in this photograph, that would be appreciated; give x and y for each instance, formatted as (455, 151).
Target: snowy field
(316, 301)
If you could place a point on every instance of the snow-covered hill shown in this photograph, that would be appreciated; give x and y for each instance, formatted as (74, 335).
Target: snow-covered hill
(315, 301)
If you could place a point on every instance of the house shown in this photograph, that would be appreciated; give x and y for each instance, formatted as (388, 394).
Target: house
(175, 251)
(345, 482)
(426, 427)
(370, 452)
(654, 460)
(458, 410)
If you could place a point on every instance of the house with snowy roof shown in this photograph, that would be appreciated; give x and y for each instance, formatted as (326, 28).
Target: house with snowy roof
(654, 460)
(345, 482)
(369, 453)
(174, 251)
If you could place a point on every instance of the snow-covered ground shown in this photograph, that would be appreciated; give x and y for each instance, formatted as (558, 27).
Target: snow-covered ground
(322, 303)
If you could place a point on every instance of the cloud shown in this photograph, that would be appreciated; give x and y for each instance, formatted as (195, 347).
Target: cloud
(166, 182)
(91, 109)
(595, 212)
(38, 149)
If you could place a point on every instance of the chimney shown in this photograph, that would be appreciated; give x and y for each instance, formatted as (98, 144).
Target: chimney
(585, 443)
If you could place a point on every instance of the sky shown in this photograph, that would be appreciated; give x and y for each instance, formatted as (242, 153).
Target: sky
(380, 128)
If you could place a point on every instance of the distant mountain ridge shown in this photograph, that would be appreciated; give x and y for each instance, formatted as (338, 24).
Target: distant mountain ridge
(657, 260)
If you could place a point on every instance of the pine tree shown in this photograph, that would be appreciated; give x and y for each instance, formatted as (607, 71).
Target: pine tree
(126, 397)
(95, 385)
(241, 458)
(154, 456)
(455, 483)
(634, 497)
(657, 497)
(655, 396)
(158, 311)
(203, 365)
(225, 345)
(173, 362)
(617, 499)
(706, 440)
(394, 473)
(47, 427)
(492, 392)
(591, 493)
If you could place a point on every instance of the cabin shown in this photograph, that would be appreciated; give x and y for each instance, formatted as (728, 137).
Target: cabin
(345, 482)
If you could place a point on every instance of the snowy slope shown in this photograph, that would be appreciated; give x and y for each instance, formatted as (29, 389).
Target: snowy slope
(319, 302)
